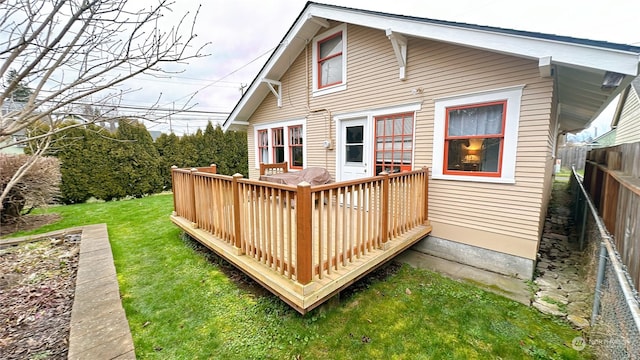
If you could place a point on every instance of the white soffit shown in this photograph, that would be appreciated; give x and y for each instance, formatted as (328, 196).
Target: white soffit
(564, 54)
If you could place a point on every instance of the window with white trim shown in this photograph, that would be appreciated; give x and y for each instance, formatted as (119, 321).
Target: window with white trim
(263, 146)
(279, 142)
(278, 145)
(476, 136)
(296, 147)
(329, 61)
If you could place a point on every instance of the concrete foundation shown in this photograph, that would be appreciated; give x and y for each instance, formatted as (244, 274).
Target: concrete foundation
(495, 261)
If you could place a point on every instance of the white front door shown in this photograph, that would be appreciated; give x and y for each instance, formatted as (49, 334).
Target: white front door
(354, 155)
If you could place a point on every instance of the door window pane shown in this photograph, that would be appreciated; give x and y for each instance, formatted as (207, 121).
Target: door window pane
(354, 147)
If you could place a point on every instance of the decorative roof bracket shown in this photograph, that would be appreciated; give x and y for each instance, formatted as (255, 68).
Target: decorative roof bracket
(278, 92)
(399, 44)
(320, 21)
(544, 66)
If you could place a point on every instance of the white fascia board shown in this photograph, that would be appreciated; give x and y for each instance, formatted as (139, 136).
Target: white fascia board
(274, 59)
(570, 54)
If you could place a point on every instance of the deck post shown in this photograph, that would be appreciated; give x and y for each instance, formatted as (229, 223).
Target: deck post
(192, 199)
(304, 259)
(214, 168)
(173, 189)
(236, 214)
(384, 206)
(425, 171)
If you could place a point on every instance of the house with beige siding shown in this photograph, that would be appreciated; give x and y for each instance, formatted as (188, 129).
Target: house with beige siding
(361, 92)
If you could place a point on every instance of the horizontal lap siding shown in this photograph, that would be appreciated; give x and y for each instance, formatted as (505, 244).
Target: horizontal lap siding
(440, 70)
(512, 209)
(628, 130)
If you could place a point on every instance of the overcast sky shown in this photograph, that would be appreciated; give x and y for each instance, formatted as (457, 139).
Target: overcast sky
(243, 33)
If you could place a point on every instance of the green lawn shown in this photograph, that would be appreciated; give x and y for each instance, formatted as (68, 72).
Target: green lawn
(184, 303)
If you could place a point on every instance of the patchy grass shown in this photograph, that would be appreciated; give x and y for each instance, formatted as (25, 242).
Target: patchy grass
(184, 303)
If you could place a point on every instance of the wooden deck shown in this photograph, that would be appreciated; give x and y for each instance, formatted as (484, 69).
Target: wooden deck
(303, 243)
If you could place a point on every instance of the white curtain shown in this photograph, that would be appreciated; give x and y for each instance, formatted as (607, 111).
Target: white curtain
(483, 120)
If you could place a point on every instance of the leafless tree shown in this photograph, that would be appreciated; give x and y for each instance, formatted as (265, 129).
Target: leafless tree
(69, 51)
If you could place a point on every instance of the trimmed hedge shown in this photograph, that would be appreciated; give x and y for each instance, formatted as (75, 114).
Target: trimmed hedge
(96, 163)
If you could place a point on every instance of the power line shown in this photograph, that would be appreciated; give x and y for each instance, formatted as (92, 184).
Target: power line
(224, 77)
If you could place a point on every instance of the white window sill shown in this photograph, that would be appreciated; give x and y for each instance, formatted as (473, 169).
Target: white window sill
(483, 179)
(329, 90)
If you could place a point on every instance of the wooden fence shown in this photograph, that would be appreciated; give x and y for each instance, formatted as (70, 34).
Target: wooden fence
(573, 156)
(303, 232)
(612, 178)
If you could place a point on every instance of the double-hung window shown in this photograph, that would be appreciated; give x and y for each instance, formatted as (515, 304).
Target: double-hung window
(278, 145)
(263, 146)
(329, 61)
(296, 152)
(476, 136)
(280, 142)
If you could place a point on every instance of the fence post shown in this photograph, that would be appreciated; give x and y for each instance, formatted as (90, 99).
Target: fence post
(583, 229)
(600, 277)
(237, 229)
(193, 197)
(304, 261)
(173, 189)
(425, 174)
(214, 169)
(384, 221)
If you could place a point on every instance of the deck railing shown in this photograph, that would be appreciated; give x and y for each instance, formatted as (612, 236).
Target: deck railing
(303, 232)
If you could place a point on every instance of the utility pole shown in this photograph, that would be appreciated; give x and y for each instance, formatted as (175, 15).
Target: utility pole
(173, 108)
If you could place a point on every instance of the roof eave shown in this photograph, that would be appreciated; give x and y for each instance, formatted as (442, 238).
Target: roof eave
(580, 54)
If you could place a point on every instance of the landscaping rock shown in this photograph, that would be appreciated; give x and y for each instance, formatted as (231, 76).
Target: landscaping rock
(553, 295)
(561, 285)
(578, 322)
(546, 308)
(547, 283)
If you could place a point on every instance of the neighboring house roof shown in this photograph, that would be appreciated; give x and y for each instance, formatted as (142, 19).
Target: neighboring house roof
(579, 65)
(604, 140)
(626, 120)
(635, 86)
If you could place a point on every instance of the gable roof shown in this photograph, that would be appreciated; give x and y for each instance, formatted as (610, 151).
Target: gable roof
(635, 86)
(580, 65)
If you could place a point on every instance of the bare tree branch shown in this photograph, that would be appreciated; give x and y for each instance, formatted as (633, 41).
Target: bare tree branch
(74, 49)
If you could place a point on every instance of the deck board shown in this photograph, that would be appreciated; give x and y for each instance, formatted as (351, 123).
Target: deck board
(304, 297)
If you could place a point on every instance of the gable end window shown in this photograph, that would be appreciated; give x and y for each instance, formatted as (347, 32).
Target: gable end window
(476, 136)
(329, 61)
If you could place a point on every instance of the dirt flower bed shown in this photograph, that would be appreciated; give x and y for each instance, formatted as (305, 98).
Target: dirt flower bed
(37, 284)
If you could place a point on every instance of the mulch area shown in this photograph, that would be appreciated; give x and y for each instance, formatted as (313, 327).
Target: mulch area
(37, 284)
(28, 222)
